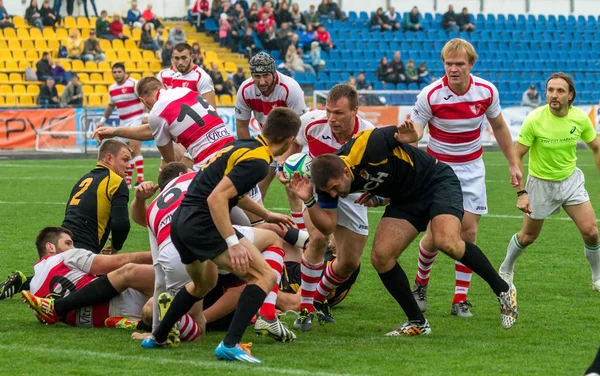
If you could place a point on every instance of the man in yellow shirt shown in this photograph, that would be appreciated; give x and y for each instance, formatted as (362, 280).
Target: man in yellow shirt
(552, 132)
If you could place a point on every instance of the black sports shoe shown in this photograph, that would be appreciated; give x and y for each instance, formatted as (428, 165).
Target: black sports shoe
(323, 314)
(304, 321)
(12, 285)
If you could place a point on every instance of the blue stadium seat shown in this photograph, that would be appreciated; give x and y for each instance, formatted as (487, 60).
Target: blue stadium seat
(352, 16)
(364, 16)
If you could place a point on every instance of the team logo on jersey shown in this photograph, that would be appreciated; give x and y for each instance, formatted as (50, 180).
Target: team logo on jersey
(573, 130)
(185, 84)
(448, 97)
(475, 108)
(237, 110)
(364, 174)
(123, 90)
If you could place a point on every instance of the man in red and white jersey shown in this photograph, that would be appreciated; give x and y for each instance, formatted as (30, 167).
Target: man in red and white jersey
(259, 94)
(454, 108)
(131, 113)
(79, 297)
(324, 132)
(184, 73)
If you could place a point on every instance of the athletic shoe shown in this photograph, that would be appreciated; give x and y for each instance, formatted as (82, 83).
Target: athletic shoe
(240, 352)
(596, 285)
(121, 322)
(420, 294)
(12, 285)
(274, 329)
(43, 307)
(411, 329)
(151, 343)
(304, 320)
(164, 302)
(507, 276)
(592, 374)
(323, 314)
(509, 311)
(461, 309)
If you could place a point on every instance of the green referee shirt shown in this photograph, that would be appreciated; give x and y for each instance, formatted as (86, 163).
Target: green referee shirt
(553, 141)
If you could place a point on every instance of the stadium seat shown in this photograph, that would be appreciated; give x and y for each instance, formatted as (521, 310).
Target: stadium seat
(23, 34)
(130, 45)
(10, 101)
(26, 101)
(135, 76)
(135, 55)
(84, 23)
(117, 44)
(9, 33)
(15, 77)
(149, 56)
(94, 101)
(100, 89)
(69, 22)
(123, 55)
(77, 66)
(130, 66)
(95, 78)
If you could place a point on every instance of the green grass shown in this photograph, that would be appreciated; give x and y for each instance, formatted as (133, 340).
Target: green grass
(556, 334)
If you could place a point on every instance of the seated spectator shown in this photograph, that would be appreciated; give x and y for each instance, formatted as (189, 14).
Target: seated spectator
(361, 82)
(103, 26)
(294, 62)
(239, 24)
(531, 97)
(269, 39)
(463, 20)
(412, 76)
(252, 14)
(315, 57)
(307, 37)
(379, 20)
(413, 20)
(217, 78)
(382, 69)
(75, 45)
(92, 50)
(238, 78)
(158, 36)
(268, 9)
(48, 97)
(151, 17)
(72, 96)
(264, 23)
(424, 76)
(298, 22)
(216, 8)
(224, 31)
(47, 14)
(311, 16)
(177, 35)
(248, 46)
(33, 16)
(449, 20)
(201, 11)
(351, 81)
(324, 38)
(283, 15)
(284, 38)
(147, 41)
(4, 17)
(58, 73)
(134, 16)
(116, 28)
(197, 58)
(393, 18)
(396, 73)
(330, 9)
(166, 54)
(43, 69)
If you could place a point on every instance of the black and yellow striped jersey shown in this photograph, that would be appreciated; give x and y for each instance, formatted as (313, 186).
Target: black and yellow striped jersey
(97, 207)
(383, 166)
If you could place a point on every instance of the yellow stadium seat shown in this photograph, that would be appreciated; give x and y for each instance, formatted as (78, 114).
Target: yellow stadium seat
(83, 77)
(217, 100)
(93, 21)
(110, 55)
(18, 55)
(60, 89)
(85, 34)
(105, 45)
(142, 66)
(3, 79)
(88, 89)
(2, 102)
(136, 55)
(53, 45)
(19, 89)
(49, 33)
(149, 56)
(147, 74)
(5, 89)
(77, 66)
(210, 55)
(9, 33)
(91, 66)
(3, 45)
(123, 55)
(19, 22)
(26, 101)
(100, 89)
(24, 64)
(136, 34)
(105, 100)
(136, 76)
(15, 77)
(131, 45)
(130, 66)
(69, 22)
(118, 44)
(35, 33)
(23, 34)
(14, 44)
(230, 67)
(103, 66)
(127, 33)
(32, 55)
(225, 100)
(41, 45)
(67, 65)
(95, 78)
(33, 89)
(60, 34)
(94, 101)
(83, 23)
(108, 78)
(11, 66)
(156, 66)
(11, 101)
(5, 55)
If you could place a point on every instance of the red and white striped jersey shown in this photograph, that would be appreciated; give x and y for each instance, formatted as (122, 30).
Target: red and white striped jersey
(287, 93)
(316, 132)
(455, 120)
(160, 211)
(182, 116)
(126, 100)
(63, 274)
(196, 79)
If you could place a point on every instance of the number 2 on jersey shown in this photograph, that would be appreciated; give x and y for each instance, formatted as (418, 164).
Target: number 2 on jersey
(84, 185)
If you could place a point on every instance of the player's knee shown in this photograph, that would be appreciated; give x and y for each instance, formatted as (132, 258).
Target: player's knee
(469, 235)
(347, 267)
(590, 233)
(318, 241)
(382, 262)
(527, 238)
(448, 245)
(128, 271)
(147, 312)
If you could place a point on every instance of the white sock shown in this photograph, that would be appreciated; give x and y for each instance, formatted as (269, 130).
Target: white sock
(512, 253)
(592, 254)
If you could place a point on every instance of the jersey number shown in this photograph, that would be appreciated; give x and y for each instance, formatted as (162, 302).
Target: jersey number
(173, 194)
(185, 110)
(214, 157)
(84, 185)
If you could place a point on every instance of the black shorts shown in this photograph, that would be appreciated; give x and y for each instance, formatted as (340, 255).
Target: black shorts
(443, 196)
(196, 238)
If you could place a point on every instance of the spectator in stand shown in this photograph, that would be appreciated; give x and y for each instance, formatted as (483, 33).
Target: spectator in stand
(382, 70)
(463, 20)
(47, 14)
(4, 17)
(284, 15)
(244, 5)
(92, 50)
(311, 16)
(239, 24)
(252, 15)
(413, 20)
(284, 38)
(48, 97)
(166, 54)
(308, 37)
(103, 26)
(177, 35)
(324, 38)
(264, 23)
(228, 9)
(216, 8)
(200, 10)
(412, 76)
(44, 71)
(224, 31)
(197, 57)
(93, 2)
(158, 36)
(269, 39)
(294, 62)
(134, 16)
(72, 96)
(361, 82)
(217, 78)
(330, 9)
(268, 9)
(315, 57)
(248, 46)
(298, 22)
(449, 20)
(238, 78)
(351, 81)
(116, 28)
(393, 18)
(33, 16)
(75, 45)
(149, 16)
(379, 20)
(531, 97)
(398, 74)
(424, 76)
(147, 41)
(58, 73)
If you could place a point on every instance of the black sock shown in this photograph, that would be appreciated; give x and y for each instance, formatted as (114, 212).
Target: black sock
(141, 325)
(183, 302)
(250, 301)
(26, 285)
(475, 260)
(291, 236)
(396, 282)
(595, 367)
(96, 292)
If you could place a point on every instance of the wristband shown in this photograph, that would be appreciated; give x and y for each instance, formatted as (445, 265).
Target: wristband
(102, 120)
(279, 168)
(232, 240)
(310, 203)
(379, 200)
(522, 192)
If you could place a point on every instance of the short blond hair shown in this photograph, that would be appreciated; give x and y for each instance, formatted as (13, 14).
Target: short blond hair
(459, 45)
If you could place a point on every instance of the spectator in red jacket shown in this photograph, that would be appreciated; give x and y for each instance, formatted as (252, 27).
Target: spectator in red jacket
(116, 28)
(151, 17)
(264, 23)
(201, 10)
(268, 9)
(324, 38)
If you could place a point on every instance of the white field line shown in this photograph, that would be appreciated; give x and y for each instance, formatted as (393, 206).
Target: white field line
(47, 166)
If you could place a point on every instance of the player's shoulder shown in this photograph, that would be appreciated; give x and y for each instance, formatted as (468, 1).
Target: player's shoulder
(578, 115)
(312, 117)
(132, 80)
(165, 72)
(481, 82)
(364, 124)
(199, 70)
(246, 87)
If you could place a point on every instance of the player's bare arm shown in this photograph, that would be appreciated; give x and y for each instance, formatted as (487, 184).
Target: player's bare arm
(520, 151)
(224, 305)
(138, 207)
(242, 128)
(504, 140)
(107, 112)
(249, 205)
(168, 152)
(140, 133)
(325, 220)
(595, 146)
(104, 264)
(211, 98)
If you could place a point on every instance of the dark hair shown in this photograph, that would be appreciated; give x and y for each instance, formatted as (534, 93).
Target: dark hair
(340, 91)
(147, 86)
(119, 65)
(569, 81)
(325, 167)
(170, 172)
(281, 124)
(49, 235)
(180, 47)
(111, 146)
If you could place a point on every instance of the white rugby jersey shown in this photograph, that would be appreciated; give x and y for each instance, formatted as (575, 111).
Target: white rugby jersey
(126, 100)
(196, 79)
(316, 132)
(286, 93)
(455, 120)
(182, 116)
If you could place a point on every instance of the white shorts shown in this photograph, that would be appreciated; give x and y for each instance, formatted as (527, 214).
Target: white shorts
(353, 216)
(472, 182)
(129, 304)
(546, 197)
(129, 123)
(246, 231)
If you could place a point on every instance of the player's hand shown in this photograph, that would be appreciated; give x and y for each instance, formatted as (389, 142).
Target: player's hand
(524, 204)
(140, 336)
(240, 258)
(516, 176)
(367, 199)
(281, 177)
(301, 186)
(145, 190)
(104, 132)
(282, 220)
(407, 133)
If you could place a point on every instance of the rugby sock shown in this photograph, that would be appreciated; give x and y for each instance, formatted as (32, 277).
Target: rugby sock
(26, 285)
(274, 257)
(595, 367)
(512, 253)
(129, 173)
(329, 282)
(188, 328)
(463, 281)
(96, 292)
(139, 166)
(310, 274)
(592, 254)
(297, 238)
(396, 282)
(479, 263)
(426, 260)
(250, 301)
(298, 219)
(182, 303)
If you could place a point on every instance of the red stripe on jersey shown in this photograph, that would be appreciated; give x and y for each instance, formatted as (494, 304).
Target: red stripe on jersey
(316, 147)
(165, 232)
(122, 90)
(461, 110)
(212, 149)
(487, 87)
(243, 89)
(131, 115)
(433, 91)
(287, 90)
(264, 107)
(122, 104)
(167, 81)
(453, 138)
(456, 158)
